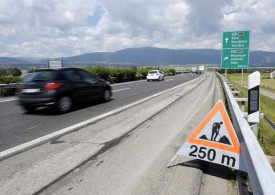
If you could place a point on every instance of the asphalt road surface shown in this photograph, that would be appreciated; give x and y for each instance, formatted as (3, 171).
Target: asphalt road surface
(18, 127)
(128, 152)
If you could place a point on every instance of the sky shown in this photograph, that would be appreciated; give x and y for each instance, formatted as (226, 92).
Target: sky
(62, 28)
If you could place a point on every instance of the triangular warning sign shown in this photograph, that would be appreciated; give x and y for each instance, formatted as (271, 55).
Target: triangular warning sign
(216, 131)
(214, 139)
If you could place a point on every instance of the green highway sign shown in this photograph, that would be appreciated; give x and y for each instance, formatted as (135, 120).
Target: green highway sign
(235, 58)
(236, 39)
(235, 50)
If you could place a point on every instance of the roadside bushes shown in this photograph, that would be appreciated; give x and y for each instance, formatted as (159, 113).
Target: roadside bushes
(172, 71)
(142, 72)
(114, 74)
(100, 71)
(10, 72)
(125, 74)
(6, 80)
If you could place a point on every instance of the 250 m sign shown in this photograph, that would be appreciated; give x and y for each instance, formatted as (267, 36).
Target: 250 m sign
(212, 155)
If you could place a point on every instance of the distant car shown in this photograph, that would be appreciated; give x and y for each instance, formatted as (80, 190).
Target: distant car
(155, 75)
(198, 71)
(61, 89)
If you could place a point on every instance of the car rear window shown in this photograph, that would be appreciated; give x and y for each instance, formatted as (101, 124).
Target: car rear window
(72, 75)
(153, 72)
(43, 76)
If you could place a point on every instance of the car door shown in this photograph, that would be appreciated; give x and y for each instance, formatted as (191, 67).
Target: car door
(95, 88)
(79, 88)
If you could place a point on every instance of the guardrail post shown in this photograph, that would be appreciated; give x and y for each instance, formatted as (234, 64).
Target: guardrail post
(255, 129)
(242, 106)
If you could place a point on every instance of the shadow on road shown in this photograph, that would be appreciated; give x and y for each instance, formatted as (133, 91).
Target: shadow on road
(76, 107)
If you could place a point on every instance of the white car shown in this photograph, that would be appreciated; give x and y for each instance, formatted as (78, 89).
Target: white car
(155, 75)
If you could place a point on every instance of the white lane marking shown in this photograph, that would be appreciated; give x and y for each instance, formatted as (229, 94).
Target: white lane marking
(66, 130)
(32, 127)
(128, 83)
(9, 100)
(169, 79)
(121, 89)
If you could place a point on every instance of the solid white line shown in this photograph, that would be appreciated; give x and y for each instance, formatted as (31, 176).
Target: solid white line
(48, 137)
(121, 89)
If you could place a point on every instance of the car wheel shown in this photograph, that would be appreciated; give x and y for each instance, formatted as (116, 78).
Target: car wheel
(159, 79)
(64, 104)
(29, 108)
(106, 96)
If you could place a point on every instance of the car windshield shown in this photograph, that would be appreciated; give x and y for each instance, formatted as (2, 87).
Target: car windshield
(41, 76)
(153, 72)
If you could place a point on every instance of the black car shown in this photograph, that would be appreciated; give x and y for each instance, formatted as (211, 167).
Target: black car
(61, 89)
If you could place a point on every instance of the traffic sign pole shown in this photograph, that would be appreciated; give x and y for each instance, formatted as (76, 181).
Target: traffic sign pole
(242, 79)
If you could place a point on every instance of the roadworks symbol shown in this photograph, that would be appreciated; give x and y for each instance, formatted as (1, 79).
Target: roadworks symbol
(214, 140)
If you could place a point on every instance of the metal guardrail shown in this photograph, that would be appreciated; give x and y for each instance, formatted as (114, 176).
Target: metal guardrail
(246, 99)
(8, 86)
(269, 122)
(252, 158)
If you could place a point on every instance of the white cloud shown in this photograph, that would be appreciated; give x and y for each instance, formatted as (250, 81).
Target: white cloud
(56, 28)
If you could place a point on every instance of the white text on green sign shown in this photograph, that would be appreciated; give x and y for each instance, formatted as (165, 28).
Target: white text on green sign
(236, 39)
(235, 58)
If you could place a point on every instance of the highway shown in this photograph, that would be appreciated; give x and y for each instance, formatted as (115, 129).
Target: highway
(124, 153)
(18, 127)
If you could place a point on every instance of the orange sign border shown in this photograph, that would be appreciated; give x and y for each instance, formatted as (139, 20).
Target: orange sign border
(235, 143)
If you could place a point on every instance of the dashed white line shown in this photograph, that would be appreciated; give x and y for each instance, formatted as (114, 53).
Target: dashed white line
(128, 82)
(169, 79)
(121, 89)
(32, 127)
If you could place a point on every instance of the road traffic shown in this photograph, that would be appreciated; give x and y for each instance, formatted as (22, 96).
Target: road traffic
(18, 126)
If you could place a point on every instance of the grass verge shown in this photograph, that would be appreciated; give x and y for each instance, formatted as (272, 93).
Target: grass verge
(266, 83)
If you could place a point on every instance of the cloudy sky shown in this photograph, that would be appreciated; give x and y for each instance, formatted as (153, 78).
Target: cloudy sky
(61, 28)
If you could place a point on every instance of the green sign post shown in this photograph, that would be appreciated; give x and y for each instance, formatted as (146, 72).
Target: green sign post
(235, 50)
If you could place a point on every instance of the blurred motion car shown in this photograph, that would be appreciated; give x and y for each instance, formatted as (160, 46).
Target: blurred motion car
(155, 75)
(61, 89)
(26, 77)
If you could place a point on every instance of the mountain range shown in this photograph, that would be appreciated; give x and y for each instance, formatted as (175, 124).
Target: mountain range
(146, 56)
